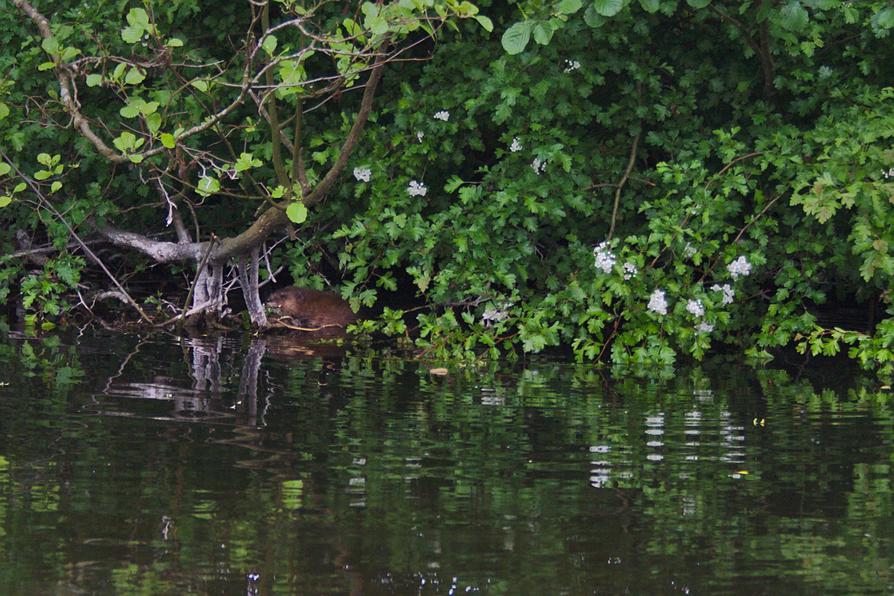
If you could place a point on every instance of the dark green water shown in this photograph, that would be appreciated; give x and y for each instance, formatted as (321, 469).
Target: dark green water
(168, 466)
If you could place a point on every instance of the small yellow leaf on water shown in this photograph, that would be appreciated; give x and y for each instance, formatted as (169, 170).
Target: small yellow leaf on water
(886, 387)
(743, 472)
(441, 372)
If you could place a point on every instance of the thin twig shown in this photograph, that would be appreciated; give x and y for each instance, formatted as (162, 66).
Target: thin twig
(622, 182)
(49, 206)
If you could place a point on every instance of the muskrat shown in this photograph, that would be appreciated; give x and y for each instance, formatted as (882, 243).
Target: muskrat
(310, 310)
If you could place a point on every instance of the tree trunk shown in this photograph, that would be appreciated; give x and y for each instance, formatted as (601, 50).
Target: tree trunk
(248, 279)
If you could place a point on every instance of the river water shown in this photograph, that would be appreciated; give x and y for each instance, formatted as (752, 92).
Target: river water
(164, 465)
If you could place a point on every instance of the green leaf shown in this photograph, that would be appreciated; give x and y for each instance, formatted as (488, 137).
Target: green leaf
(137, 158)
(45, 66)
(200, 85)
(292, 72)
(245, 162)
(698, 3)
(125, 141)
(167, 139)
(4, 110)
(569, 6)
(134, 76)
(593, 19)
(5, 200)
(94, 80)
(19, 187)
(207, 186)
(138, 23)
(542, 33)
(453, 183)
(377, 24)
(650, 6)
(42, 174)
(278, 192)
(174, 42)
(884, 19)
(5, 168)
(352, 28)
(50, 45)
(56, 185)
(119, 71)
(608, 8)
(138, 17)
(132, 109)
(485, 22)
(269, 44)
(516, 38)
(131, 34)
(296, 212)
(44, 159)
(153, 122)
(794, 17)
(69, 53)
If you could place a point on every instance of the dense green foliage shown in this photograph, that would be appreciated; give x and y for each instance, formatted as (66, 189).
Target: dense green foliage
(638, 180)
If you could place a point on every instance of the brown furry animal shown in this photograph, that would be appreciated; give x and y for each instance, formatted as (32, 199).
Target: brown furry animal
(310, 310)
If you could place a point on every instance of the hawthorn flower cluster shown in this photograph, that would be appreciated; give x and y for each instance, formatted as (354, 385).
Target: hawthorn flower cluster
(416, 189)
(420, 135)
(442, 115)
(571, 65)
(538, 165)
(630, 271)
(739, 268)
(363, 174)
(494, 315)
(728, 292)
(516, 145)
(695, 308)
(704, 327)
(658, 302)
(604, 259)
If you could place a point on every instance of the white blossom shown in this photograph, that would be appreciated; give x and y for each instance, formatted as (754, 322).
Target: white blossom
(494, 315)
(704, 327)
(538, 165)
(571, 65)
(739, 267)
(688, 251)
(629, 271)
(363, 174)
(888, 173)
(442, 115)
(420, 135)
(604, 258)
(516, 145)
(695, 308)
(727, 290)
(657, 302)
(416, 189)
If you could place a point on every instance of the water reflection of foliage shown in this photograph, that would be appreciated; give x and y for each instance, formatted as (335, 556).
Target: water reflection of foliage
(57, 365)
(364, 472)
